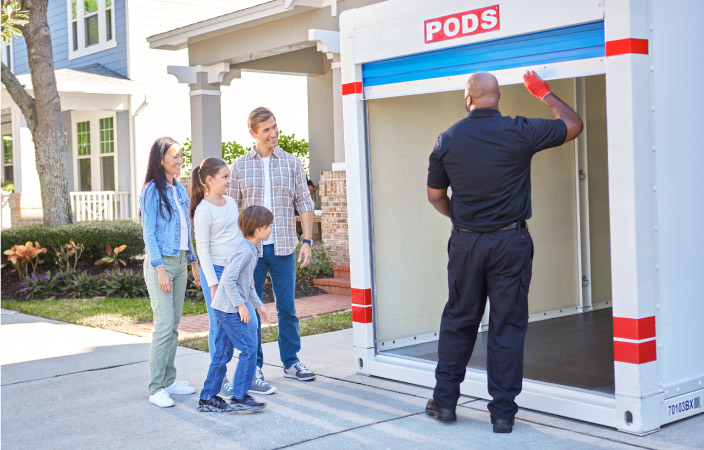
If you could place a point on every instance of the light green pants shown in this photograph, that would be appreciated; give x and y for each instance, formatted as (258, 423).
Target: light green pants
(167, 315)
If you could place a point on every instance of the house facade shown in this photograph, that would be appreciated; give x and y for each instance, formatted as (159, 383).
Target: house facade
(115, 98)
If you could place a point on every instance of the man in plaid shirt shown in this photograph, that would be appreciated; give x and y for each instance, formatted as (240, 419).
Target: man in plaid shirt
(270, 177)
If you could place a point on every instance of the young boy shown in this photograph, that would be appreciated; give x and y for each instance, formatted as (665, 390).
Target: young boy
(233, 306)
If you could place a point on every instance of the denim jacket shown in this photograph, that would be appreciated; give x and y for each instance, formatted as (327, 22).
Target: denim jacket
(162, 236)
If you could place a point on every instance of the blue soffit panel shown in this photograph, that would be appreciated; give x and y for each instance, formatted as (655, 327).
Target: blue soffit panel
(544, 47)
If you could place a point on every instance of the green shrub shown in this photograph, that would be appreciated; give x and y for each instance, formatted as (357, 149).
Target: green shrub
(43, 285)
(81, 285)
(232, 150)
(123, 284)
(93, 235)
(319, 264)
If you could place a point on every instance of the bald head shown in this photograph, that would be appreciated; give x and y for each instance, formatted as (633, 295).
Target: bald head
(482, 91)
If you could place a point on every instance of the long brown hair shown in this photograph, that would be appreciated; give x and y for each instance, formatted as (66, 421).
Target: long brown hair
(208, 168)
(155, 173)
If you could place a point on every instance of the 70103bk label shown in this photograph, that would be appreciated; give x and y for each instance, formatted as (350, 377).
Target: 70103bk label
(684, 406)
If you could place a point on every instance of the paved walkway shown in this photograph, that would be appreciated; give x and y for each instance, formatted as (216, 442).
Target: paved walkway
(193, 325)
(78, 388)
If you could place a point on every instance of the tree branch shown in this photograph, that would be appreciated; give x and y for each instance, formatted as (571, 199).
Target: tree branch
(21, 97)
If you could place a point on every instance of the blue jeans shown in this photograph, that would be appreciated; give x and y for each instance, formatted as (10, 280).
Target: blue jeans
(283, 277)
(241, 335)
(215, 330)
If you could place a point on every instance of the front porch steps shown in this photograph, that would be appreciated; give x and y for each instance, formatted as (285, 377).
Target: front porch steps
(339, 284)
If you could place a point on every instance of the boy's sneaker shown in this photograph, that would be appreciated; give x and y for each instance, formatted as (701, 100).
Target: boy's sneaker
(259, 385)
(214, 404)
(162, 399)
(246, 404)
(226, 391)
(180, 388)
(299, 371)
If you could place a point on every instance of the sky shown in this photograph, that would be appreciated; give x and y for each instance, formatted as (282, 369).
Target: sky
(285, 95)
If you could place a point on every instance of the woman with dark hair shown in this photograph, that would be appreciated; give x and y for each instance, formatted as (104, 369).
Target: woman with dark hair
(164, 207)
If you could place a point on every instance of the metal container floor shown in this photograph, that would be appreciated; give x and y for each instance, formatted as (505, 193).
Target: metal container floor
(575, 351)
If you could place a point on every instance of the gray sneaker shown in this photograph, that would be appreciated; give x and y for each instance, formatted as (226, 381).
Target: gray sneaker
(299, 371)
(259, 385)
(226, 392)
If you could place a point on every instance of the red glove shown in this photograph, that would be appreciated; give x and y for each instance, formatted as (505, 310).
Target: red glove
(535, 85)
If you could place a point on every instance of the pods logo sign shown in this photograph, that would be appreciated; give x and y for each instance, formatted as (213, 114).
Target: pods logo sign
(462, 24)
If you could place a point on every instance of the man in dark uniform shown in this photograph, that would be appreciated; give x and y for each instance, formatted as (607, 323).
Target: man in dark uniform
(485, 158)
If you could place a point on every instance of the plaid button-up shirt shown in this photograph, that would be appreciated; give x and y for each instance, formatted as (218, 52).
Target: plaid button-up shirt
(288, 189)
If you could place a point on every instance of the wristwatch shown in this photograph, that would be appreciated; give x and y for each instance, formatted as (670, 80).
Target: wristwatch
(308, 241)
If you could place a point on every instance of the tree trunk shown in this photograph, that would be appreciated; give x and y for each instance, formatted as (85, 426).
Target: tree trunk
(48, 134)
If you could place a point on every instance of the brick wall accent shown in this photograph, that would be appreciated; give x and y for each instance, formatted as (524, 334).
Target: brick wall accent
(25, 210)
(333, 202)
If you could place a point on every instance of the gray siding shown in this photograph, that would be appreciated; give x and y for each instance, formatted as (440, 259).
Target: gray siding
(114, 59)
(68, 157)
(123, 151)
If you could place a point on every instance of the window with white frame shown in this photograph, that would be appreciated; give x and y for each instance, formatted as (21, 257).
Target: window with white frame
(107, 154)
(91, 26)
(96, 160)
(7, 159)
(7, 54)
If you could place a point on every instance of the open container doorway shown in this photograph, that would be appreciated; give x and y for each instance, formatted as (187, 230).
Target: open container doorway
(568, 343)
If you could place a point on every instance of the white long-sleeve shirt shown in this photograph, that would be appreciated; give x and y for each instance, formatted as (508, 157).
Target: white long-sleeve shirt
(217, 235)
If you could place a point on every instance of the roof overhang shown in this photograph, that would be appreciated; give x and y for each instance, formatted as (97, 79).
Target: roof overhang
(179, 38)
(76, 81)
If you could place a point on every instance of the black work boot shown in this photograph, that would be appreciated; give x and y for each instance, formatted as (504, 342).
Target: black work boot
(441, 414)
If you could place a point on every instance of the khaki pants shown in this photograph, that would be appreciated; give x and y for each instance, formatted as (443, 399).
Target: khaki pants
(167, 315)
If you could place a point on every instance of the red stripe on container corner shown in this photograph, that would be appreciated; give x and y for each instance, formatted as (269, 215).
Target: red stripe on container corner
(362, 296)
(352, 88)
(361, 314)
(635, 352)
(635, 329)
(626, 46)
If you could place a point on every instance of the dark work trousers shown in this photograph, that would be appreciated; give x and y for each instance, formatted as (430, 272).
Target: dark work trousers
(497, 265)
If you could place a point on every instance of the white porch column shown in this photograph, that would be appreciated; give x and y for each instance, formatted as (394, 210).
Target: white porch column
(339, 128)
(206, 128)
(329, 43)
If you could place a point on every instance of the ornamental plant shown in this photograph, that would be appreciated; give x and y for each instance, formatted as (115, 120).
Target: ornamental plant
(25, 256)
(111, 259)
(65, 253)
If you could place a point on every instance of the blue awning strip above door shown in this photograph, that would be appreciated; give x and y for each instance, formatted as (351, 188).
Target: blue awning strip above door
(544, 47)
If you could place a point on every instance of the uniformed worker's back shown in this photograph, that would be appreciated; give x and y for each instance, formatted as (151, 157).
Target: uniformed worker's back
(485, 159)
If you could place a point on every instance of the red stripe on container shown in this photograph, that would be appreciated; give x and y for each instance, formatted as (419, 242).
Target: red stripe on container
(361, 314)
(627, 46)
(635, 352)
(362, 296)
(352, 88)
(635, 329)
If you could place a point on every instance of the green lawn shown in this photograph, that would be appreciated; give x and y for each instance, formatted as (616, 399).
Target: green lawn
(105, 312)
(308, 327)
(100, 312)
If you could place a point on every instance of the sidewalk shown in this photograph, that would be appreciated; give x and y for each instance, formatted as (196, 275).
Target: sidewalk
(190, 325)
(71, 387)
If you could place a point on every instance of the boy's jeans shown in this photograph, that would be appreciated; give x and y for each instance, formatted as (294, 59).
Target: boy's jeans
(283, 276)
(216, 332)
(241, 335)
(167, 315)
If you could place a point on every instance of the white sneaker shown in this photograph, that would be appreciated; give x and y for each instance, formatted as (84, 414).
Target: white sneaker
(180, 388)
(162, 399)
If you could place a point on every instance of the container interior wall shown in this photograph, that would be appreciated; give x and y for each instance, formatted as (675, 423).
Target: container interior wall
(410, 237)
(597, 171)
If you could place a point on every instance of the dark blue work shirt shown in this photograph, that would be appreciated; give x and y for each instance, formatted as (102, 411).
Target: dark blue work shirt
(485, 160)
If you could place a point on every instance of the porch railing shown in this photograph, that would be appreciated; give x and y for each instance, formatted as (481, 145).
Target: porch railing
(106, 205)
